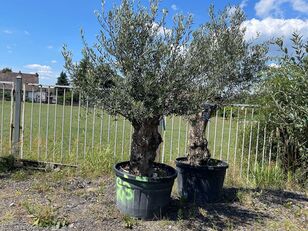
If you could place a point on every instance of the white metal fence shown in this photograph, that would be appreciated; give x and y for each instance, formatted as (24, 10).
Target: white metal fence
(57, 126)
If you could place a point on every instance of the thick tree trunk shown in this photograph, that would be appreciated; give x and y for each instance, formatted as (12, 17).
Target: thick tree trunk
(198, 151)
(145, 142)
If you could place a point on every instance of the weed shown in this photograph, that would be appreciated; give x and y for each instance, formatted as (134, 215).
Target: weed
(20, 175)
(44, 215)
(7, 217)
(129, 222)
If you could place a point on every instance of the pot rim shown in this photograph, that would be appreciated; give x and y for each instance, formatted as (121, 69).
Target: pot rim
(179, 163)
(145, 179)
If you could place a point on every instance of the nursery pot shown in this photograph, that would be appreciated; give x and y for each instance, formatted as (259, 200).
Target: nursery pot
(143, 197)
(200, 184)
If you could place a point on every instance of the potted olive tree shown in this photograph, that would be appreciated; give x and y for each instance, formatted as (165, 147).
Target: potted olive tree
(227, 65)
(141, 70)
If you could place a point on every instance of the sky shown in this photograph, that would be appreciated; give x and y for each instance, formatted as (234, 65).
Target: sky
(33, 32)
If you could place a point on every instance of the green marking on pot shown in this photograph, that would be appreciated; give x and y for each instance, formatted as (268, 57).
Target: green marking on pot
(124, 190)
(142, 178)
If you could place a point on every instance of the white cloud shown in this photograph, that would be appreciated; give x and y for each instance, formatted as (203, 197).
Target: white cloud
(49, 46)
(44, 71)
(161, 30)
(53, 61)
(274, 65)
(7, 32)
(243, 4)
(26, 32)
(272, 27)
(174, 7)
(265, 8)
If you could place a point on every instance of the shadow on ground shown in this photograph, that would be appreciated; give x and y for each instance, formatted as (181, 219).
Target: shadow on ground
(229, 213)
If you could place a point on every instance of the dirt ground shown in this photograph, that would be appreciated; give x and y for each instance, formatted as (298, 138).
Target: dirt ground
(62, 201)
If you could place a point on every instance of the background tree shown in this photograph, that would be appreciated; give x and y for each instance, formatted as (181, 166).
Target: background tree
(284, 93)
(62, 80)
(6, 69)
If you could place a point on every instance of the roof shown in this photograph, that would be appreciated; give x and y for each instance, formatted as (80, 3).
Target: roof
(26, 78)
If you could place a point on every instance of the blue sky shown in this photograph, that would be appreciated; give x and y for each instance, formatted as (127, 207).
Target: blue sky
(32, 32)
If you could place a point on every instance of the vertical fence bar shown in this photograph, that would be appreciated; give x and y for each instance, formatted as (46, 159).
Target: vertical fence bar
(250, 141)
(236, 141)
(208, 130)
(278, 149)
(123, 139)
(215, 133)
(243, 142)
(115, 137)
(270, 151)
(108, 129)
(62, 132)
(17, 115)
(71, 120)
(47, 124)
(164, 140)
(257, 145)
(179, 136)
(222, 132)
(186, 137)
(55, 127)
(229, 136)
(171, 137)
(23, 121)
(264, 147)
(85, 131)
(101, 130)
(39, 127)
(130, 139)
(78, 128)
(31, 120)
(2, 120)
(93, 129)
(11, 117)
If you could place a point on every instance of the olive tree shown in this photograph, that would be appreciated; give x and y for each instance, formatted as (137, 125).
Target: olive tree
(227, 64)
(138, 68)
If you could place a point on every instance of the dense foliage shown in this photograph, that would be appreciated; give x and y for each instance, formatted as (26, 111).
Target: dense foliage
(285, 94)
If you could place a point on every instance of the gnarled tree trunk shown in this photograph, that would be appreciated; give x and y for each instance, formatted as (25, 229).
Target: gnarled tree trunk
(145, 141)
(198, 152)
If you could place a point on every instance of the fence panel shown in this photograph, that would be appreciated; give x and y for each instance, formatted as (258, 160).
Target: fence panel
(59, 125)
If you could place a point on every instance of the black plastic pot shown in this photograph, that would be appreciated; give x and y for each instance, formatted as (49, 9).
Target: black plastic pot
(143, 197)
(200, 184)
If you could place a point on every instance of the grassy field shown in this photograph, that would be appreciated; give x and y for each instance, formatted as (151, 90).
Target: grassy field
(68, 134)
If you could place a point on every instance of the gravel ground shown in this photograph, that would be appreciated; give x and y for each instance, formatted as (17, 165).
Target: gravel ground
(28, 198)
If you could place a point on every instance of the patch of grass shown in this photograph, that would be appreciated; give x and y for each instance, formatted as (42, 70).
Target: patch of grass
(44, 215)
(247, 197)
(269, 177)
(20, 175)
(41, 187)
(129, 222)
(7, 217)
(98, 164)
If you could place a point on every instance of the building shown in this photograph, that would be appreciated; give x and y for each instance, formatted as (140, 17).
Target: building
(33, 92)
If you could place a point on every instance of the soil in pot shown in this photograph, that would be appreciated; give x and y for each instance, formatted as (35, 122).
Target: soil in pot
(144, 197)
(200, 184)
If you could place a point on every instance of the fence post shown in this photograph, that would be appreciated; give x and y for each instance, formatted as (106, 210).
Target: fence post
(17, 116)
